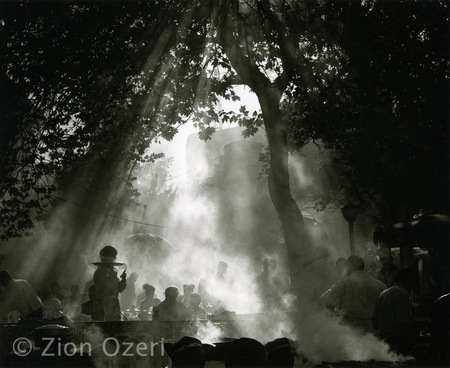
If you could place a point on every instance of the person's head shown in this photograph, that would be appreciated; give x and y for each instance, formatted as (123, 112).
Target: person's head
(404, 278)
(188, 289)
(149, 290)
(371, 266)
(171, 293)
(245, 352)
(5, 278)
(222, 267)
(196, 299)
(133, 276)
(280, 353)
(354, 263)
(108, 254)
(187, 352)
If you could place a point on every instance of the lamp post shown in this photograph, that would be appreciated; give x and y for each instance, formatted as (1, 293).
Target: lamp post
(350, 213)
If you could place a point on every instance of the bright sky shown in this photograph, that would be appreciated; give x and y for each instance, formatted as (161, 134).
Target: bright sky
(177, 147)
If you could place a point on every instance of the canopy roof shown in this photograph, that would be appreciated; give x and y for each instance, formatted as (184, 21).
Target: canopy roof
(427, 232)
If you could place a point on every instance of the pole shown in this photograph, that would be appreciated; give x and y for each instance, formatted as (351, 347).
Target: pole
(352, 240)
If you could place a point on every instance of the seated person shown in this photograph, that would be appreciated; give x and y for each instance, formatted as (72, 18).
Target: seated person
(393, 317)
(188, 290)
(170, 309)
(52, 305)
(21, 297)
(194, 309)
(148, 302)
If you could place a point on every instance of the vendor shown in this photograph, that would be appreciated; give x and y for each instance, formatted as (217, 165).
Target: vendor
(108, 286)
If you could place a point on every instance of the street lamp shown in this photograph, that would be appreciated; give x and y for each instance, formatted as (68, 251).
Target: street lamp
(350, 213)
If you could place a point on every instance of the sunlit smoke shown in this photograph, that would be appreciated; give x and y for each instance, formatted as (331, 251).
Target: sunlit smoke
(98, 356)
(321, 336)
(208, 333)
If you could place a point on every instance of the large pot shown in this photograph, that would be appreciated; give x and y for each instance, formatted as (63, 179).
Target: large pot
(50, 336)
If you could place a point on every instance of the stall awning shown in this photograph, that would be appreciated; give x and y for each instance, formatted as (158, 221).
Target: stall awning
(427, 232)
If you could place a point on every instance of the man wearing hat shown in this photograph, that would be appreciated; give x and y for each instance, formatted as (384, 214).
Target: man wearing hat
(108, 286)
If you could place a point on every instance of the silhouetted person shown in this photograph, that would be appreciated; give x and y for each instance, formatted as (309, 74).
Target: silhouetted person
(355, 295)
(219, 288)
(185, 298)
(393, 318)
(317, 274)
(187, 352)
(107, 284)
(205, 281)
(148, 302)
(170, 309)
(372, 269)
(21, 297)
(204, 286)
(89, 307)
(128, 296)
(245, 352)
(266, 287)
(73, 305)
(339, 269)
(51, 304)
(387, 272)
(194, 309)
(221, 270)
(56, 290)
(280, 353)
(87, 286)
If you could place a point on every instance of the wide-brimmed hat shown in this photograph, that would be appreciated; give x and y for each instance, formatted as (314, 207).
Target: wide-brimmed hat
(108, 256)
(108, 251)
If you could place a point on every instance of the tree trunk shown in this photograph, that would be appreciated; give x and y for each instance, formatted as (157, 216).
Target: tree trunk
(298, 242)
(269, 94)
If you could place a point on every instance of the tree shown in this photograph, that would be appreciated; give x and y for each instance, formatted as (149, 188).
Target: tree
(383, 112)
(79, 123)
(63, 80)
(98, 100)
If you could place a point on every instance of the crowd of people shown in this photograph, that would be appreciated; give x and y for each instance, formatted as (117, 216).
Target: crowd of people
(109, 297)
(370, 299)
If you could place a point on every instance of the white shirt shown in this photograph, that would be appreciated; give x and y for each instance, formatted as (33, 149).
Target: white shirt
(21, 297)
(354, 295)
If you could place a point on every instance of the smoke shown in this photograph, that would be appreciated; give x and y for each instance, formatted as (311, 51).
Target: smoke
(208, 333)
(228, 218)
(322, 337)
(98, 354)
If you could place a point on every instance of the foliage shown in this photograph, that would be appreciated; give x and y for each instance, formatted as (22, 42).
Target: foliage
(80, 123)
(382, 109)
(92, 84)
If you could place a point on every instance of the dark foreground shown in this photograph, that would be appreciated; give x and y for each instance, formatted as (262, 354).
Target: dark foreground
(135, 344)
